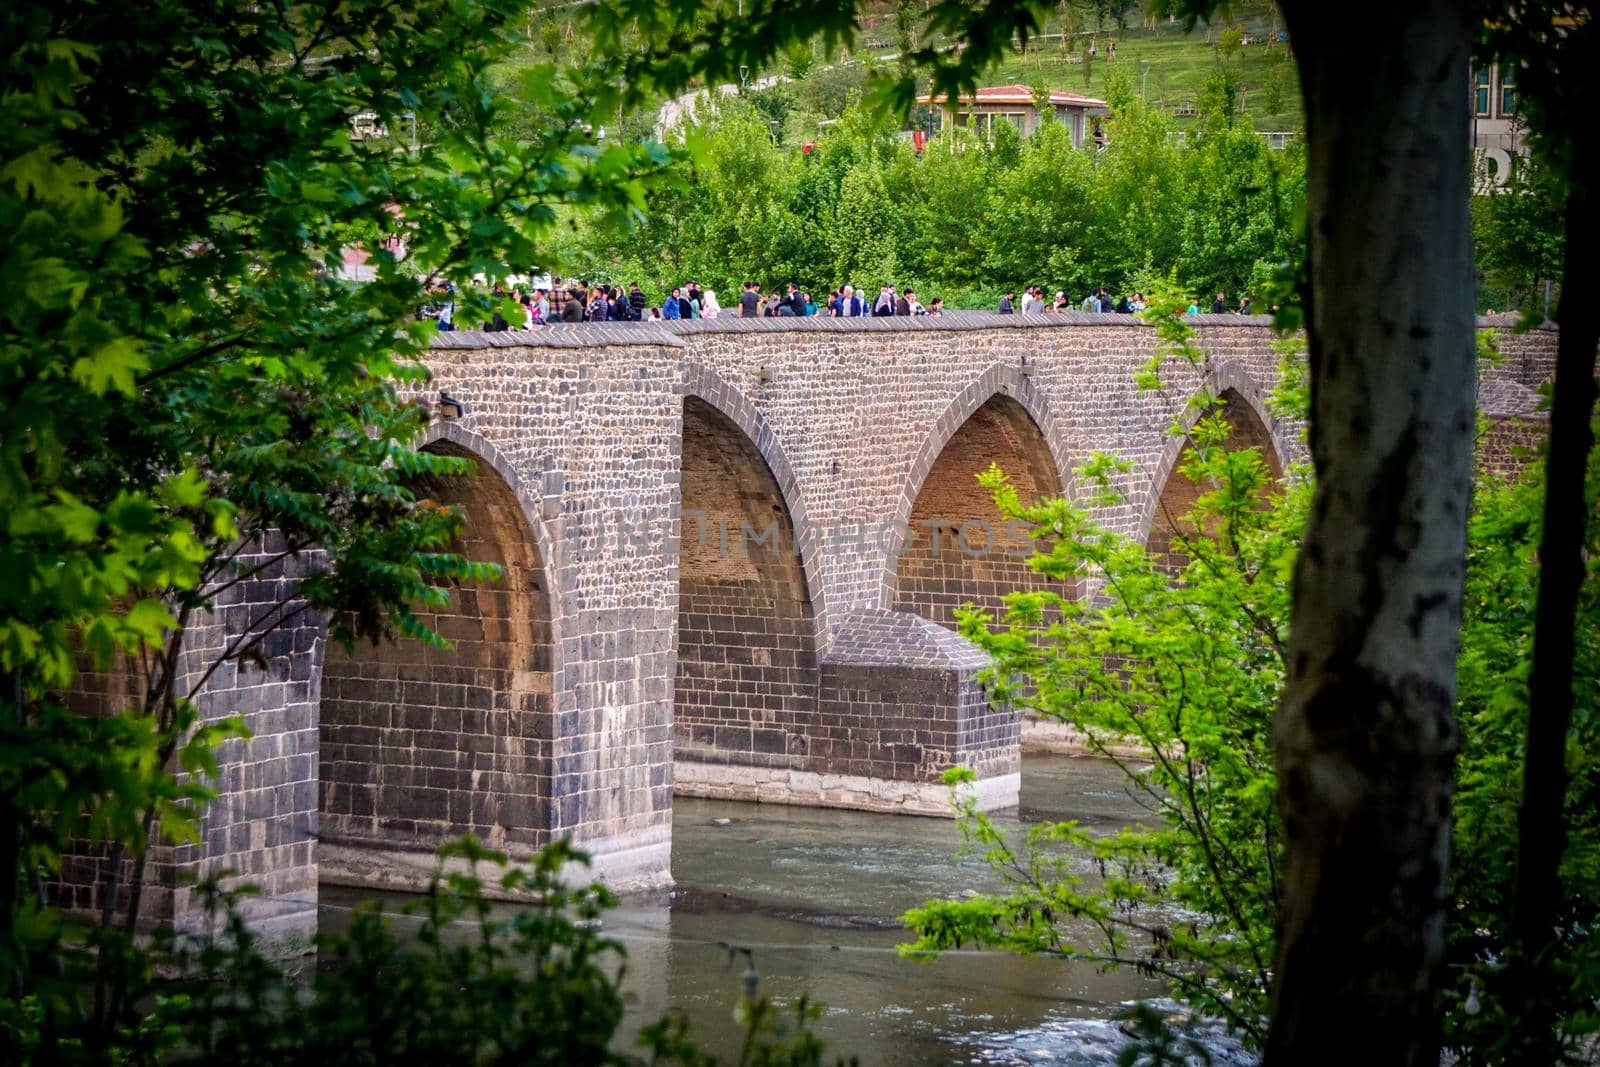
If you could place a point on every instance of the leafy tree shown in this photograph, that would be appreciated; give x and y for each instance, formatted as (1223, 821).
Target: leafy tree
(1277, 82)
(1518, 232)
(1186, 666)
(1190, 668)
(1040, 202)
(1488, 1019)
(1365, 739)
(193, 397)
(828, 91)
(1239, 209)
(1556, 51)
(1142, 198)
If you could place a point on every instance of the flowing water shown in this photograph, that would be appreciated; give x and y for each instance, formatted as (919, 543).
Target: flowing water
(814, 895)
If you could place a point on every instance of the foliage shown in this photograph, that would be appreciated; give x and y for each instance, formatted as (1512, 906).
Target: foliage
(1518, 233)
(965, 215)
(1496, 648)
(1177, 655)
(1188, 666)
(194, 398)
(473, 983)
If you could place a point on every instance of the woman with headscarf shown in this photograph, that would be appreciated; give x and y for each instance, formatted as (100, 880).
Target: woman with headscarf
(709, 308)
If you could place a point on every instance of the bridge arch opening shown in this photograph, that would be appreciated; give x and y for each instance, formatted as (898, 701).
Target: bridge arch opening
(420, 745)
(959, 549)
(747, 674)
(1179, 492)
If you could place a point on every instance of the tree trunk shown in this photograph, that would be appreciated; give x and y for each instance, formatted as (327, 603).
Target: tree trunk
(1541, 821)
(1366, 737)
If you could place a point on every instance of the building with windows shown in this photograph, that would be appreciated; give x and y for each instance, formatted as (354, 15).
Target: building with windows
(1497, 133)
(1015, 104)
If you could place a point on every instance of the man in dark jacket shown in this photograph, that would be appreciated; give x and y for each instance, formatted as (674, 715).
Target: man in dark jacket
(1006, 307)
(1219, 306)
(636, 301)
(902, 306)
(572, 310)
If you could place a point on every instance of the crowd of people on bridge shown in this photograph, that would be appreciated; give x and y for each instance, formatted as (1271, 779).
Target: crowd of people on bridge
(1100, 301)
(580, 301)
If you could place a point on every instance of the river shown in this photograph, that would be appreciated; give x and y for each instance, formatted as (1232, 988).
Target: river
(815, 896)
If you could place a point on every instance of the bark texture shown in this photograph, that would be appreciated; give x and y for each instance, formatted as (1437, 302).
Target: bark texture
(1541, 821)
(1366, 735)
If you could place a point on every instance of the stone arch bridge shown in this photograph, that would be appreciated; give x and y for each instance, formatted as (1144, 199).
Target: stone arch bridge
(733, 549)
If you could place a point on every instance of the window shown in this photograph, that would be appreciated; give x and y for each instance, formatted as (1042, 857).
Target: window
(1480, 93)
(1508, 93)
(984, 122)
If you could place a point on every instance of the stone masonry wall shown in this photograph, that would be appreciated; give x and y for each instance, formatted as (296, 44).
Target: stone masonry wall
(862, 409)
(586, 437)
(581, 435)
(583, 426)
(746, 688)
(959, 549)
(1179, 494)
(262, 827)
(423, 745)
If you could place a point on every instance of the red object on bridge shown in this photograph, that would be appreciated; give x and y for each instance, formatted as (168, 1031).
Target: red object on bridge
(805, 149)
(919, 139)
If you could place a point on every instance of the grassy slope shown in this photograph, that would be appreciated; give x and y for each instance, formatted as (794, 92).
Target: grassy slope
(1177, 61)
(1171, 62)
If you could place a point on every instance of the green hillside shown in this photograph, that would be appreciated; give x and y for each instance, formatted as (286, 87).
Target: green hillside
(1165, 61)
(1169, 61)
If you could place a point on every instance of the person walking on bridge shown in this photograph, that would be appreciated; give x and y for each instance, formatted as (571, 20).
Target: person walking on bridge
(572, 310)
(850, 305)
(884, 305)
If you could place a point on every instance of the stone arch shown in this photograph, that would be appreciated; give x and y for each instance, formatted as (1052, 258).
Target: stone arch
(469, 441)
(745, 691)
(707, 385)
(1002, 417)
(420, 745)
(1170, 492)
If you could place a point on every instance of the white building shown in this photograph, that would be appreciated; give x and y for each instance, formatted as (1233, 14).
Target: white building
(1497, 134)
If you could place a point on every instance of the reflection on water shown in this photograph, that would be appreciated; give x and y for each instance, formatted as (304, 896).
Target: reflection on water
(815, 896)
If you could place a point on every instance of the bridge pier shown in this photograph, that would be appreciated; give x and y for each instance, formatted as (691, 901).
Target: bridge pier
(897, 705)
